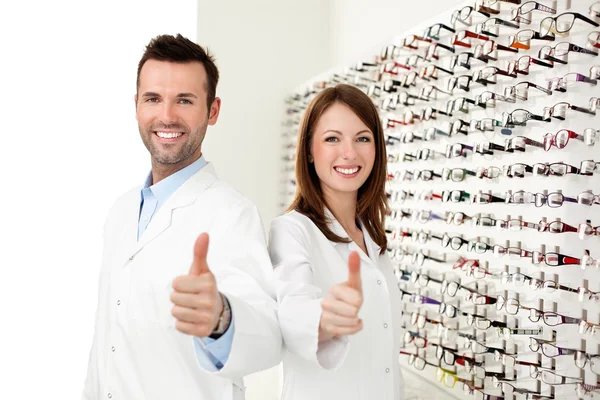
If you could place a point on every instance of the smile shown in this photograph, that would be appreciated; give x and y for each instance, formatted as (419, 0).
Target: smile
(347, 171)
(169, 135)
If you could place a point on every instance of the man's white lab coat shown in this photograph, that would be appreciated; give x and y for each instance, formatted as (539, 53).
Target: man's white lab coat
(137, 354)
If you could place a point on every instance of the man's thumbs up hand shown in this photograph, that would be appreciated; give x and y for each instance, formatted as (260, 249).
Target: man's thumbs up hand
(199, 265)
(197, 302)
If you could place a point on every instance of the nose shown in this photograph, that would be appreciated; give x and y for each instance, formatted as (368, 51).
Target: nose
(348, 150)
(167, 113)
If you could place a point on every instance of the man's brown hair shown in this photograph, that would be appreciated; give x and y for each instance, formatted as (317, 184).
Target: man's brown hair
(180, 49)
(372, 204)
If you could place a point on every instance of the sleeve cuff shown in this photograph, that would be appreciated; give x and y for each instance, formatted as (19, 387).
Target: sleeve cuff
(332, 353)
(303, 339)
(214, 353)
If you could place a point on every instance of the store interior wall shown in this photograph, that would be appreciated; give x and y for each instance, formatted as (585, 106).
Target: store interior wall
(263, 48)
(72, 144)
(359, 26)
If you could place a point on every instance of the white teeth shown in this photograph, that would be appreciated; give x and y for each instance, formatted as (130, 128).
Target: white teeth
(347, 171)
(168, 135)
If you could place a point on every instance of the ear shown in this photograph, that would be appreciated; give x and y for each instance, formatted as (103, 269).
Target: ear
(215, 108)
(135, 103)
(311, 159)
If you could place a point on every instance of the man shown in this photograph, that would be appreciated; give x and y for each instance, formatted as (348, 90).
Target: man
(177, 318)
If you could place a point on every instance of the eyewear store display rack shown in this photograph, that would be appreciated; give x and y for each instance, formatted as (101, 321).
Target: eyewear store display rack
(492, 122)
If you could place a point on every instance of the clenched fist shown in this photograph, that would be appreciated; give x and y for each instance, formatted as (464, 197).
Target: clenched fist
(197, 302)
(341, 306)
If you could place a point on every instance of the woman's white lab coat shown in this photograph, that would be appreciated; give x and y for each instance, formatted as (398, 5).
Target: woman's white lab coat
(361, 366)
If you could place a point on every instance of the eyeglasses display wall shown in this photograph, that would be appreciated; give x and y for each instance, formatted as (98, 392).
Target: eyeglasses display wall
(492, 120)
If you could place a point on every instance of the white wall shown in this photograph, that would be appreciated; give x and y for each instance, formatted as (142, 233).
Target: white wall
(69, 147)
(264, 48)
(359, 26)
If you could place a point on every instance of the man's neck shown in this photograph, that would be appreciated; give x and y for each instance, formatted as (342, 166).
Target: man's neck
(162, 171)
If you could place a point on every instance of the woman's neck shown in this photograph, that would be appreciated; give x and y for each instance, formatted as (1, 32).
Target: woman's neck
(343, 208)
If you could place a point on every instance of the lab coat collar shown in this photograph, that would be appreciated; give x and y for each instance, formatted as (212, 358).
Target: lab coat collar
(185, 195)
(337, 228)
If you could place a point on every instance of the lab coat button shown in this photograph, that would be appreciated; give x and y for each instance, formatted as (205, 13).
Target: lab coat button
(387, 370)
(385, 326)
(113, 349)
(379, 282)
(109, 396)
(118, 302)
(131, 258)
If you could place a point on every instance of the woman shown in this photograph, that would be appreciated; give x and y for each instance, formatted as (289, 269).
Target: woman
(339, 302)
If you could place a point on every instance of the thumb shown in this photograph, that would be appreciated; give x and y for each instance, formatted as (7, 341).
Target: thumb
(199, 265)
(354, 280)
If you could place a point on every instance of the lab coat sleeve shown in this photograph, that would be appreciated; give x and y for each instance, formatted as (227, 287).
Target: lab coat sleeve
(299, 299)
(239, 259)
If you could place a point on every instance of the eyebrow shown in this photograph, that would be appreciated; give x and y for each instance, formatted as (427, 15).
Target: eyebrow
(179, 95)
(340, 133)
(150, 94)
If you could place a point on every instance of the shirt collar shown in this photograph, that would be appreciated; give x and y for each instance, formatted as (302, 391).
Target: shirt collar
(166, 187)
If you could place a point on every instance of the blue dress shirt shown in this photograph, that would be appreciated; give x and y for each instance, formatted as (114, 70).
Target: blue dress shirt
(152, 198)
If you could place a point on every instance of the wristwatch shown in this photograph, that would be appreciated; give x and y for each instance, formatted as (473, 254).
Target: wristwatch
(224, 319)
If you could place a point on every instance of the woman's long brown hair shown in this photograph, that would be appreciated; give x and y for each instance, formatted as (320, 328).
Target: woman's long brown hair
(372, 205)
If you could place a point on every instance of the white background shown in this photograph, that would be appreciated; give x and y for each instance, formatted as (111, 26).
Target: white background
(71, 146)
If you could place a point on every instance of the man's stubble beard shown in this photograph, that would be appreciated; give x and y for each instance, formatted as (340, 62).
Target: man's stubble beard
(160, 156)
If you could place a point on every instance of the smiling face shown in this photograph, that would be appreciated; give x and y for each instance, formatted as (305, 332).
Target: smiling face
(342, 150)
(172, 113)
